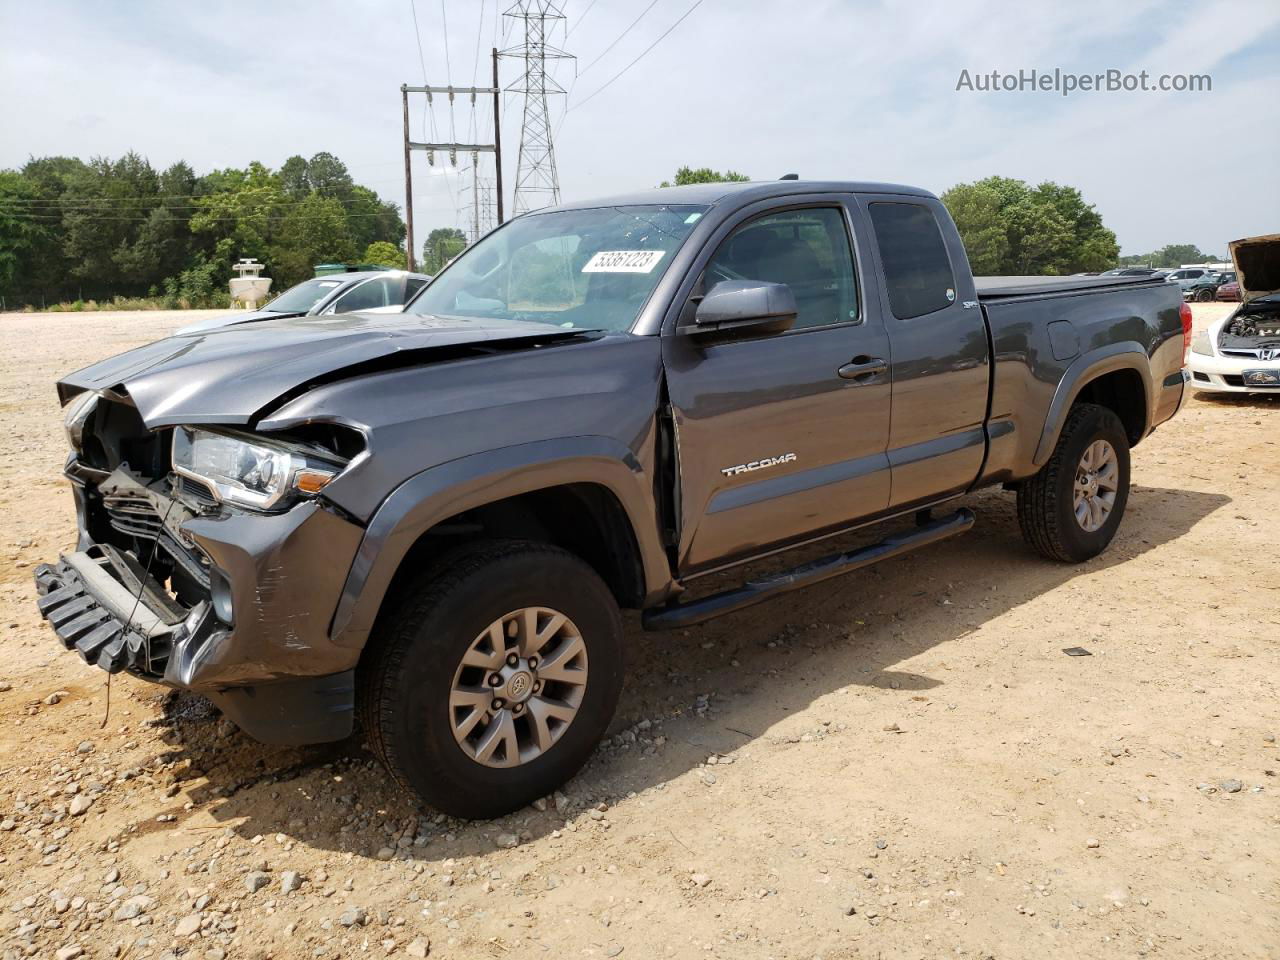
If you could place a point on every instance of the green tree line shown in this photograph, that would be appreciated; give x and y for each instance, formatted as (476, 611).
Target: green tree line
(1008, 226)
(1170, 255)
(71, 229)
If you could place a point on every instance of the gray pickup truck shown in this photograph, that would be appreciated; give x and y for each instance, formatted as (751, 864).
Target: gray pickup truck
(432, 520)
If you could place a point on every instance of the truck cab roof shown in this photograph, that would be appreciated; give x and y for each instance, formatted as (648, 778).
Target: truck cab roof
(740, 192)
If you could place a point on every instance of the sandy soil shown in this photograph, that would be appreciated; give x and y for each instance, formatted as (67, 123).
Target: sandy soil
(902, 763)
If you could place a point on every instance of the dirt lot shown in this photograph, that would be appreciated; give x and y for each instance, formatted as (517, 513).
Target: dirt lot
(902, 763)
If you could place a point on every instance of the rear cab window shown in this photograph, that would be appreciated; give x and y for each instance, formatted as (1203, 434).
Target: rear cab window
(917, 271)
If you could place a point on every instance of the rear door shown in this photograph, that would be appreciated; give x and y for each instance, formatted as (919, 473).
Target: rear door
(780, 437)
(941, 359)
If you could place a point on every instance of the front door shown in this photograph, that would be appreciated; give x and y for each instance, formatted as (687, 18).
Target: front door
(781, 437)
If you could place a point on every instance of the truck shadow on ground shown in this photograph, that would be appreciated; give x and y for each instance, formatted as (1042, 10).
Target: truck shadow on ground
(706, 690)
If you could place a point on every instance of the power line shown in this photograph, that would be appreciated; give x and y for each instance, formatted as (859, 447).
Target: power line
(580, 17)
(428, 114)
(697, 3)
(618, 39)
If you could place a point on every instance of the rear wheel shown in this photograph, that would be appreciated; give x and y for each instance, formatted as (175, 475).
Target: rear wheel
(1072, 508)
(1204, 296)
(491, 683)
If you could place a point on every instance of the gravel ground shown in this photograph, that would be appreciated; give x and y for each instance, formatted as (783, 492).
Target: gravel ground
(900, 763)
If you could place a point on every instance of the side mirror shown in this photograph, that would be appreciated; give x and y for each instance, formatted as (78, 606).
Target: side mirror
(744, 307)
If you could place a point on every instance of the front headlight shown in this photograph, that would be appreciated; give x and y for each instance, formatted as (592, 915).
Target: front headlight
(76, 414)
(1200, 344)
(250, 471)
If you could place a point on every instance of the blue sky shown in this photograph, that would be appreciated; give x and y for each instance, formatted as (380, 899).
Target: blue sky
(842, 90)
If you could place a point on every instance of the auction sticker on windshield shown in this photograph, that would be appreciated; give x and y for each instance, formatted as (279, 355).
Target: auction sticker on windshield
(623, 261)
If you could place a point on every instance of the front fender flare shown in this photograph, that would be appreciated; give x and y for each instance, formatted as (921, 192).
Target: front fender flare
(1125, 355)
(427, 498)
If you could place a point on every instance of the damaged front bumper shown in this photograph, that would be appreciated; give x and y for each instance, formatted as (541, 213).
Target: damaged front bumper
(258, 645)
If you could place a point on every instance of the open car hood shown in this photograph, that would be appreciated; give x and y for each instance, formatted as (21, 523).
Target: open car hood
(233, 375)
(1257, 261)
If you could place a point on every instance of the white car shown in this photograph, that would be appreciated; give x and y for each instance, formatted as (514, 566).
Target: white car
(1241, 353)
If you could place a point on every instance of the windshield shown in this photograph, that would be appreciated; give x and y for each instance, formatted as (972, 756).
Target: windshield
(585, 269)
(304, 296)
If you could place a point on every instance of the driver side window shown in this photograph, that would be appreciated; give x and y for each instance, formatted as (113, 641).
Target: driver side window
(378, 292)
(806, 249)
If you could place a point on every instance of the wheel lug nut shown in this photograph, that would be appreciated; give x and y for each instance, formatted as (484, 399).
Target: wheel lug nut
(512, 660)
(497, 703)
(537, 687)
(495, 681)
(533, 663)
(518, 708)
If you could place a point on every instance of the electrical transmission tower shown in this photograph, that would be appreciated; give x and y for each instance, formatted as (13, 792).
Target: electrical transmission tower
(480, 207)
(537, 183)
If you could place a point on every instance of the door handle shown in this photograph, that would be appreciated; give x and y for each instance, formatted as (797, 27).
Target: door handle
(863, 368)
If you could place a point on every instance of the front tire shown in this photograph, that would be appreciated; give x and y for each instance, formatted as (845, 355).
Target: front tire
(1071, 509)
(489, 684)
(1204, 296)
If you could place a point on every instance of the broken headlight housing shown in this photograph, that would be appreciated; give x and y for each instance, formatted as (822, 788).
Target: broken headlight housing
(250, 471)
(1200, 344)
(76, 414)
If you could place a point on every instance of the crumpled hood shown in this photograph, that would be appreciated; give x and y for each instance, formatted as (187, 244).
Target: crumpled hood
(1257, 262)
(231, 319)
(233, 374)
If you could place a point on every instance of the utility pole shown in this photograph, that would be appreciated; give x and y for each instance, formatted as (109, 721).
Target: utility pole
(537, 182)
(450, 149)
(408, 187)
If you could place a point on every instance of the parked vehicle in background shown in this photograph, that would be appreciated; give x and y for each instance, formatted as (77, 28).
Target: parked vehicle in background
(1186, 276)
(435, 517)
(1131, 272)
(1229, 291)
(1205, 288)
(1240, 353)
(379, 291)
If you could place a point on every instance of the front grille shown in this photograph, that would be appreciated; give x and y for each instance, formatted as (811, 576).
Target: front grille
(1233, 379)
(132, 514)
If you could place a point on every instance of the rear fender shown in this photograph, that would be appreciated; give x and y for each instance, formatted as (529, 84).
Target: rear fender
(1125, 355)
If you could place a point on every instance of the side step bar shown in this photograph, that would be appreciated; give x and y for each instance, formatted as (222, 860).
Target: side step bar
(754, 591)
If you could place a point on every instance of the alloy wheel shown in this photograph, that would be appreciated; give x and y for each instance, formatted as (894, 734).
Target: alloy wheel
(1096, 484)
(518, 687)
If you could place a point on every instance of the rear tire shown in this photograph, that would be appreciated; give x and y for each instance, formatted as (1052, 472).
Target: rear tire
(1204, 296)
(1070, 510)
(451, 703)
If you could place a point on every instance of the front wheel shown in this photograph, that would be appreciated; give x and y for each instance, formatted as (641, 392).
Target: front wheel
(1071, 509)
(1204, 296)
(491, 683)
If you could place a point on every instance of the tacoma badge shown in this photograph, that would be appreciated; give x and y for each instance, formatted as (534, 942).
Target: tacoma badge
(758, 464)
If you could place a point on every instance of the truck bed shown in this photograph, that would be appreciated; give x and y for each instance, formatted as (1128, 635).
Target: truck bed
(996, 288)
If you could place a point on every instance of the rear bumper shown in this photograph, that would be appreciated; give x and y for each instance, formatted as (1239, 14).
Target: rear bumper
(258, 646)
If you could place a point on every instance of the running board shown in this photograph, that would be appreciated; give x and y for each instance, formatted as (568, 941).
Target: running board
(754, 591)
